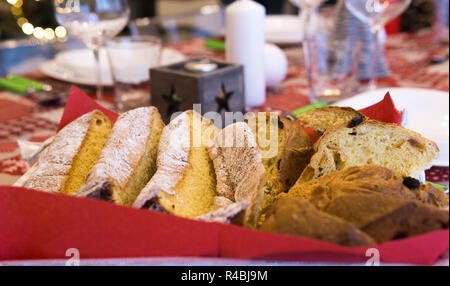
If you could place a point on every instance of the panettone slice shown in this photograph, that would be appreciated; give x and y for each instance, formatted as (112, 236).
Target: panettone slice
(362, 142)
(321, 119)
(286, 150)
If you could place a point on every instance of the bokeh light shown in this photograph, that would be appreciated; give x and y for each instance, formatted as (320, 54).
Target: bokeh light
(27, 28)
(49, 34)
(16, 11)
(21, 21)
(61, 32)
(38, 33)
(18, 3)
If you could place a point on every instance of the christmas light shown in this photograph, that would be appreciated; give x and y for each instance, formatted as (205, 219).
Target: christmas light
(16, 11)
(18, 3)
(38, 33)
(61, 32)
(49, 34)
(21, 21)
(27, 28)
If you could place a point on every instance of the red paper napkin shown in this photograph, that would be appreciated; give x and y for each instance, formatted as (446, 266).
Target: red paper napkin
(384, 111)
(39, 225)
(78, 104)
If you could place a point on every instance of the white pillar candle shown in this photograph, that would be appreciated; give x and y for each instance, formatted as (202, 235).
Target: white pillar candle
(245, 45)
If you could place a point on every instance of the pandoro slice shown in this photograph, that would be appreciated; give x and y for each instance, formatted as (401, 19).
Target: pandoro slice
(285, 148)
(128, 160)
(237, 162)
(64, 165)
(368, 142)
(234, 213)
(321, 119)
(185, 182)
(240, 175)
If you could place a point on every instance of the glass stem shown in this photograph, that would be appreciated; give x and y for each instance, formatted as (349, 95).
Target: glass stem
(373, 64)
(307, 50)
(99, 92)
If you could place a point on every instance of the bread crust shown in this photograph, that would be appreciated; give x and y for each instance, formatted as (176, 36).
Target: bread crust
(297, 154)
(376, 200)
(309, 118)
(294, 216)
(365, 180)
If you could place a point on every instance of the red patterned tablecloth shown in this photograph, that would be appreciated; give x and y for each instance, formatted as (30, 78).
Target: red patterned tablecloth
(408, 55)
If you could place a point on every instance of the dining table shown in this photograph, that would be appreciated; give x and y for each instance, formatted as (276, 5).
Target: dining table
(409, 56)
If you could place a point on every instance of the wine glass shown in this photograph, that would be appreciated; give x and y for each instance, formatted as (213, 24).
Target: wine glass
(306, 14)
(94, 22)
(376, 13)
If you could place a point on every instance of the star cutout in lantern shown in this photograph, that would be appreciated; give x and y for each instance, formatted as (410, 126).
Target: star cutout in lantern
(173, 102)
(222, 99)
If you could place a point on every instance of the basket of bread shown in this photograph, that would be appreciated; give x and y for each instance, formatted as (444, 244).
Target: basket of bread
(130, 186)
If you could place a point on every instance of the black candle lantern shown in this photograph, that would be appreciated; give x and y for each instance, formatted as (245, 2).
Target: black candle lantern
(217, 86)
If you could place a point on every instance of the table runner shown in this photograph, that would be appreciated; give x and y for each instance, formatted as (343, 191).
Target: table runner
(408, 54)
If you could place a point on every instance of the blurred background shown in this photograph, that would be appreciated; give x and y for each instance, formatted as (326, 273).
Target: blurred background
(27, 27)
(14, 14)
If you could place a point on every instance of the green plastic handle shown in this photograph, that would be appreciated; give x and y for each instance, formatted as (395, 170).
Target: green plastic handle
(37, 86)
(12, 86)
(303, 109)
(216, 45)
(437, 186)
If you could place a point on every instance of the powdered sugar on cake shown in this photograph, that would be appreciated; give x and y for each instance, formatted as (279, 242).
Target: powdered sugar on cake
(55, 163)
(125, 146)
(173, 158)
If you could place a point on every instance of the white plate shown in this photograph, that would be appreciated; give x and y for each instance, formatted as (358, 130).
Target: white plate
(57, 69)
(427, 113)
(283, 29)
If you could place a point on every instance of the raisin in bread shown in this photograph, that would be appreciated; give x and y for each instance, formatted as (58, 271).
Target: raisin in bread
(367, 180)
(321, 119)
